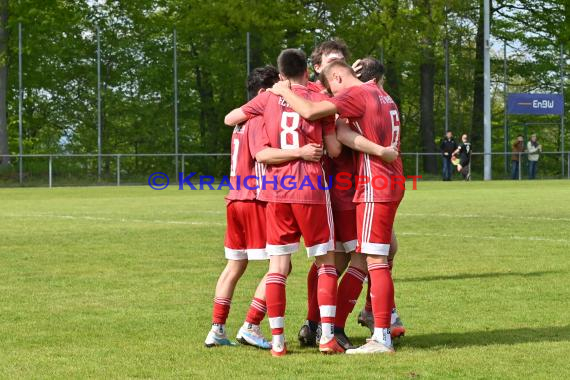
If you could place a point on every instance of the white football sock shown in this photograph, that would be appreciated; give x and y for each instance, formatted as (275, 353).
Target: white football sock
(394, 316)
(327, 331)
(278, 343)
(219, 328)
(382, 335)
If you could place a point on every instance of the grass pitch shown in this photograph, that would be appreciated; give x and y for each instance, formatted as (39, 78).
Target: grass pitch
(118, 283)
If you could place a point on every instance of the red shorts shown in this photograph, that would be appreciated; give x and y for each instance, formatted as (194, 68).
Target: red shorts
(287, 222)
(345, 230)
(245, 232)
(374, 222)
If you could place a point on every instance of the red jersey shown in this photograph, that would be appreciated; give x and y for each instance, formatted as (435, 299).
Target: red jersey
(341, 199)
(243, 162)
(285, 129)
(316, 86)
(373, 113)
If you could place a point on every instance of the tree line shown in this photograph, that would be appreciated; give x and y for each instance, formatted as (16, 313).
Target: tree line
(60, 78)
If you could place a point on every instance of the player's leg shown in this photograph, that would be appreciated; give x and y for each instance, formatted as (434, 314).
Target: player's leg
(374, 222)
(308, 331)
(320, 244)
(235, 252)
(365, 317)
(224, 292)
(256, 237)
(283, 237)
(277, 301)
(350, 285)
(349, 290)
(397, 328)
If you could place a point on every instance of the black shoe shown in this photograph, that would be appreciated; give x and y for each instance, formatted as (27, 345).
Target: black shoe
(318, 335)
(307, 334)
(343, 340)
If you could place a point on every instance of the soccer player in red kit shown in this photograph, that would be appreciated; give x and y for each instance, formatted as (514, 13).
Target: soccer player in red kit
(373, 114)
(298, 204)
(371, 69)
(338, 159)
(245, 232)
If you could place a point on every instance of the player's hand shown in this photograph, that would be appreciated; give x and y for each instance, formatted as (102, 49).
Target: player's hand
(311, 152)
(389, 154)
(279, 87)
(357, 67)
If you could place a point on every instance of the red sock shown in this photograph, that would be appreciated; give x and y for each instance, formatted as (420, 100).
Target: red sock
(327, 293)
(276, 301)
(382, 291)
(348, 293)
(391, 265)
(368, 305)
(256, 312)
(221, 310)
(312, 299)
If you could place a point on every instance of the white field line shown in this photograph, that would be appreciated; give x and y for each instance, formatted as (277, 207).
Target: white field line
(487, 237)
(476, 216)
(188, 223)
(120, 220)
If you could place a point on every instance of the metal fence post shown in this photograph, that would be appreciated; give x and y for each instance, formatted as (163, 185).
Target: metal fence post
(182, 171)
(50, 171)
(417, 163)
(118, 170)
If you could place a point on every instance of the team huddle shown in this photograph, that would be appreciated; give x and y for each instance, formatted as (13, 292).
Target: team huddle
(305, 131)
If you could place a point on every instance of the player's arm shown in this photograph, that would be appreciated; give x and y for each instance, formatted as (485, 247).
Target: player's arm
(332, 145)
(276, 156)
(235, 117)
(307, 109)
(254, 107)
(360, 143)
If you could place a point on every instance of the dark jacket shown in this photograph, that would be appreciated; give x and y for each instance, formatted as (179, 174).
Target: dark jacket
(518, 147)
(447, 146)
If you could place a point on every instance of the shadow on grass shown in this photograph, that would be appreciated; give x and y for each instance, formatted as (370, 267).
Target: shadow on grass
(490, 337)
(467, 276)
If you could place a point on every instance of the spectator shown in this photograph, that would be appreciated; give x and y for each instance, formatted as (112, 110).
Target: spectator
(447, 147)
(533, 148)
(464, 153)
(518, 148)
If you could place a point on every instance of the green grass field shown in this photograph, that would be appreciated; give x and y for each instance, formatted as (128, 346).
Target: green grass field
(118, 283)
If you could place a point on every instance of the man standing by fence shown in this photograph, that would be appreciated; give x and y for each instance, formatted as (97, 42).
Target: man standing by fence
(447, 147)
(533, 148)
(518, 148)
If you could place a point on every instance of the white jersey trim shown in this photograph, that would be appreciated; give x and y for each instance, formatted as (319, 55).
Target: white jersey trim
(278, 250)
(375, 249)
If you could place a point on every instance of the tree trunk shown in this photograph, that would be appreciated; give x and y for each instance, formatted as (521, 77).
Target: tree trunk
(478, 90)
(4, 151)
(427, 88)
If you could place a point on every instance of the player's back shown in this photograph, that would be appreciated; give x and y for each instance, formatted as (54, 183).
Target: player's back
(380, 123)
(286, 129)
(242, 162)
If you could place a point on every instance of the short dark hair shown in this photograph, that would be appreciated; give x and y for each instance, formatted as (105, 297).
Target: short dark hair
(372, 69)
(328, 68)
(292, 63)
(328, 47)
(261, 77)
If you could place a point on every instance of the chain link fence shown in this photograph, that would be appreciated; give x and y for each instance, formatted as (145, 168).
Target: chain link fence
(53, 170)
